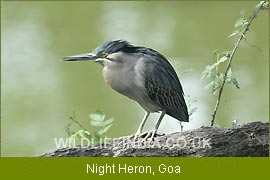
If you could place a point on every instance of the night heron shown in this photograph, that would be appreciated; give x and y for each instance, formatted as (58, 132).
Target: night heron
(142, 74)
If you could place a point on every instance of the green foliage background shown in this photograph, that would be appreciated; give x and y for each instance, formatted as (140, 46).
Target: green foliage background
(39, 92)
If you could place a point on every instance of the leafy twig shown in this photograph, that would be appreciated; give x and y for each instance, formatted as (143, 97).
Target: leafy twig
(261, 6)
(97, 119)
(76, 122)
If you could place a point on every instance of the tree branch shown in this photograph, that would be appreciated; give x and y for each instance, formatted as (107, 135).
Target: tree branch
(261, 7)
(250, 139)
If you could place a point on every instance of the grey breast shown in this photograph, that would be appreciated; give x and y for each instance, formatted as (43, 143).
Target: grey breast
(128, 78)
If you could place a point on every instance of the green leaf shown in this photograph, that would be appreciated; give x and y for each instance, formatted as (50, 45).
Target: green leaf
(108, 121)
(264, 4)
(96, 123)
(79, 135)
(220, 77)
(221, 60)
(215, 88)
(208, 69)
(210, 84)
(103, 130)
(206, 73)
(240, 22)
(69, 132)
(235, 82)
(226, 53)
(73, 136)
(97, 117)
(258, 5)
(99, 111)
(234, 33)
(216, 52)
(229, 73)
(232, 80)
(82, 133)
(217, 82)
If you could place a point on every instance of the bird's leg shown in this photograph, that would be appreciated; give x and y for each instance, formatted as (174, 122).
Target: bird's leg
(181, 126)
(139, 131)
(156, 128)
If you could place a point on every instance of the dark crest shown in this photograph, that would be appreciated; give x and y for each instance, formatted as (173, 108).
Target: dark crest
(113, 46)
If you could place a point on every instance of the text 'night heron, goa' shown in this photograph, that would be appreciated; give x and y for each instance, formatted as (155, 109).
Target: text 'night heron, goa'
(142, 74)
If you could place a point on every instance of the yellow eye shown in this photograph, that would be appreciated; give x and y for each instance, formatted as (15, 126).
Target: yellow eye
(104, 54)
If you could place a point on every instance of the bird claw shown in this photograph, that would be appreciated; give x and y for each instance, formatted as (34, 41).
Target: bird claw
(150, 134)
(146, 136)
(139, 135)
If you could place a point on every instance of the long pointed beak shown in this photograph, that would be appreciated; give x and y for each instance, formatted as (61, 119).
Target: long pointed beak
(81, 57)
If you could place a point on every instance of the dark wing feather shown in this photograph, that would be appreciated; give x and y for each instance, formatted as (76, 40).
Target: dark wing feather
(163, 85)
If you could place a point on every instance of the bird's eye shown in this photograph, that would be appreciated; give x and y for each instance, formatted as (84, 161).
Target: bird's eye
(104, 54)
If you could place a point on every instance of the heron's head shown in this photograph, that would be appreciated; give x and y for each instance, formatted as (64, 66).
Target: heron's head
(108, 53)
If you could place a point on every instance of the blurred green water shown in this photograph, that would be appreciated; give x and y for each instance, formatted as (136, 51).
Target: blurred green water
(39, 92)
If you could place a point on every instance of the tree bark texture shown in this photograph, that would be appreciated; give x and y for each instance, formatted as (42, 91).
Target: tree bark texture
(250, 139)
